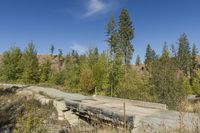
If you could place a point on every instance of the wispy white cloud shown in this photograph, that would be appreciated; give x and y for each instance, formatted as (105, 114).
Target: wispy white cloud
(88, 8)
(79, 48)
(97, 6)
(94, 6)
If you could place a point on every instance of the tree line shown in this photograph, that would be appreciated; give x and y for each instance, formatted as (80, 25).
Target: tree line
(167, 78)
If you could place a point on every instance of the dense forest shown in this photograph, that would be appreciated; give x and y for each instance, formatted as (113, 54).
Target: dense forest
(167, 78)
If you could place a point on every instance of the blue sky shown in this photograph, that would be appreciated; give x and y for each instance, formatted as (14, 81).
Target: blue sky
(80, 24)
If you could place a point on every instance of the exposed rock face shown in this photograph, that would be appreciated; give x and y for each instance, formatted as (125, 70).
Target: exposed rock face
(58, 103)
(139, 115)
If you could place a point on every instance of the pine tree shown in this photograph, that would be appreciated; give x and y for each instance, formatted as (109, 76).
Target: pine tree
(60, 53)
(60, 58)
(115, 57)
(150, 55)
(11, 68)
(112, 36)
(117, 75)
(194, 58)
(93, 56)
(173, 51)
(138, 61)
(126, 34)
(30, 62)
(165, 52)
(52, 49)
(184, 56)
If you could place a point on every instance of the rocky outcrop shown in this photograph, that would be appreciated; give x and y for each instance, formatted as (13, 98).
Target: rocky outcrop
(71, 107)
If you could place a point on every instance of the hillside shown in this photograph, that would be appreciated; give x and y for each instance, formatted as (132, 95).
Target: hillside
(55, 62)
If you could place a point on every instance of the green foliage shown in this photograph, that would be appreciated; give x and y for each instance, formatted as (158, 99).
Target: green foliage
(94, 73)
(112, 36)
(60, 58)
(167, 79)
(115, 69)
(173, 50)
(45, 71)
(116, 73)
(72, 70)
(184, 56)
(93, 56)
(135, 86)
(167, 86)
(57, 78)
(194, 62)
(11, 68)
(150, 55)
(196, 82)
(100, 73)
(126, 34)
(186, 85)
(165, 52)
(30, 64)
(86, 79)
(138, 60)
(52, 49)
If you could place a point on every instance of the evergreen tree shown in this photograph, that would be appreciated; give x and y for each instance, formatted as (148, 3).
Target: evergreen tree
(184, 56)
(72, 70)
(117, 73)
(154, 55)
(112, 36)
(150, 55)
(52, 49)
(30, 62)
(100, 73)
(60, 58)
(11, 68)
(93, 56)
(167, 87)
(194, 58)
(138, 61)
(186, 84)
(165, 52)
(196, 82)
(45, 71)
(115, 58)
(126, 34)
(57, 77)
(173, 51)
(60, 53)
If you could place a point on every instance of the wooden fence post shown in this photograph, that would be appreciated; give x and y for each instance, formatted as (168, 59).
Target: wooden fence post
(125, 117)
